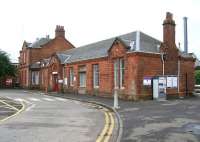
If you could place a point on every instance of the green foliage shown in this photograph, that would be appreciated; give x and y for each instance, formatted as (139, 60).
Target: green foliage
(197, 76)
(6, 68)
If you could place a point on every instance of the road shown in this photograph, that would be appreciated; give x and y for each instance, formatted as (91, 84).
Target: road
(155, 121)
(51, 119)
(161, 121)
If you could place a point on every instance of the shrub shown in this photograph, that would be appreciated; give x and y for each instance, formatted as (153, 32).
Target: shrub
(197, 77)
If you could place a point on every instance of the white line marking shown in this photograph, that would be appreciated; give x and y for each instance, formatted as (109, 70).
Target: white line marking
(61, 99)
(34, 99)
(31, 107)
(48, 99)
(76, 102)
(22, 100)
(170, 104)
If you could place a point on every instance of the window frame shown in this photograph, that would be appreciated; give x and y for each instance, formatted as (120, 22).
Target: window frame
(35, 78)
(96, 75)
(71, 76)
(82, 71)
(119, 73)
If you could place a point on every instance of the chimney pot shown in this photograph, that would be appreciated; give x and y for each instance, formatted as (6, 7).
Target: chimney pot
(60, 31)
(169, 16)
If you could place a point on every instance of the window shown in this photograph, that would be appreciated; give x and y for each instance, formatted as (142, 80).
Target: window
(119, 73)
(71, 76)
(82, 76)
(96, 76)
(35, 78)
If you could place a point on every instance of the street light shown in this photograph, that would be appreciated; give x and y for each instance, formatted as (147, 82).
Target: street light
(116, 103)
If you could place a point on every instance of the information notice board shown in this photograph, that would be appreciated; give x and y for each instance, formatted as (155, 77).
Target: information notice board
(172, 82)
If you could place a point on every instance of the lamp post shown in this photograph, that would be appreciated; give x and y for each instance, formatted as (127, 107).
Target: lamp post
(116, 104)
(116, 83)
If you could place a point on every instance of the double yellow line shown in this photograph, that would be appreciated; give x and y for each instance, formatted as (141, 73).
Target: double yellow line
(18, 111)
(108, 127)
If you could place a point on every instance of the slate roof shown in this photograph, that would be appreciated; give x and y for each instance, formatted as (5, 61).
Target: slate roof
(187, 55)
(62, 57)
(38, 42)
(197, 63)
(100, 49)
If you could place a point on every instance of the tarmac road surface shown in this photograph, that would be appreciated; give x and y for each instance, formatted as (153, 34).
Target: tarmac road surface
(50, 119)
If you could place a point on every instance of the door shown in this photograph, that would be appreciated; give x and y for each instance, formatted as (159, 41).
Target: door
(55, 82)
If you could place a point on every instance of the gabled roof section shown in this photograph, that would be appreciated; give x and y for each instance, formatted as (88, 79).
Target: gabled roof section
(100, 49)
(62, 57)
(25, 44)
(123, 42)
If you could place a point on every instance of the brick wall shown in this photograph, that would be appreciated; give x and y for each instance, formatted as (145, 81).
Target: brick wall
(187, 68)
(105, 79)
(29, 56)
(137, 66)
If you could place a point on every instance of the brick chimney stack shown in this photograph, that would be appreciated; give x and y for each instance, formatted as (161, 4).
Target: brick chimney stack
(60, 31)
(169, 30)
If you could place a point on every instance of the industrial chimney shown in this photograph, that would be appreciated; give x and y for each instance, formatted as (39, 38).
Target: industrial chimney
(185, 35)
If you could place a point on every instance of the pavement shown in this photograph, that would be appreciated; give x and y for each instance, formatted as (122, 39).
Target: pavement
(150, 121)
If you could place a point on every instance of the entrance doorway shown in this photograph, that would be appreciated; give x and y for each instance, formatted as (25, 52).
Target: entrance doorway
(55, 82)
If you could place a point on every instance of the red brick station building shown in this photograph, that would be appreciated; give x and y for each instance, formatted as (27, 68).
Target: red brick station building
(127, 63)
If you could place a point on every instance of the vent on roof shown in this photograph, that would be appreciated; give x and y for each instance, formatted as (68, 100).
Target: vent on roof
(158, 47)
(132, 45)
(137, 40)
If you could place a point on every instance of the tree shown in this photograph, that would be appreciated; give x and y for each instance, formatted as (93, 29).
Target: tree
(6, 68)
(197, 76)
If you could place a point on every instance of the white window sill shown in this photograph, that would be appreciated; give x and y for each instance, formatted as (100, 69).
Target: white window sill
(121, 88)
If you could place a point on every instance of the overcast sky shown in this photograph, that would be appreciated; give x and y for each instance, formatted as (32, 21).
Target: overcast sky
(87, 21)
